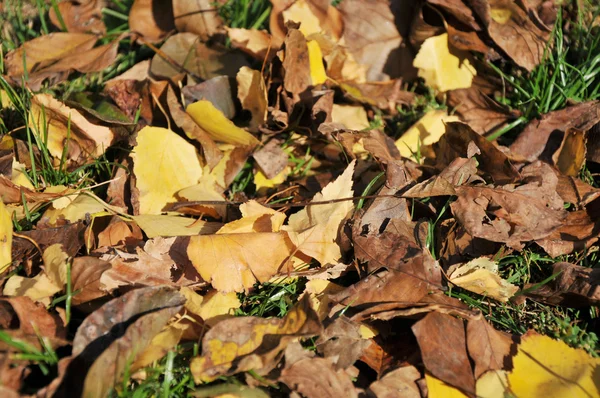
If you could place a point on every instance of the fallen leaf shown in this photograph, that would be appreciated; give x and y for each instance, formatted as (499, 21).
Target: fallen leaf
(489, 348)
(443, 333)
(352, 116)
(85, 277)
(296, 64)
(6, 237)
(62, 124)
(255, 42)
(213, 307)
(443, 69)
(216, 90)
(155, 225)
(271, 159)
(40, 288)
(427, 131)
(548, 367)
(80, 16)
(252, 93)
(235, 262)
(399, 382)
(330, 382)
(481, 276)
(316, 227)
(158, 159)
(80, 207)
(199, 17)
(218, 127)
(152, 19)
(240, 344)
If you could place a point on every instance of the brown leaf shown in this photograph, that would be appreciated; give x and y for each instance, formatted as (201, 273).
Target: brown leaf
(296, 64)
(252, 93)
(443, 346)
(491, 159)
(271, 158)
(85, 277)
(200, 17)
(575, 286)
(372, 37)
(459, 10)
(187, 50)
(341, 343)
(115, 334)
(573, 190)
(480, 112)
(399, 382)
(30, 318)
(216, 90)
(330, 383)
(513, 31)
(489, 348)
(385, 95)
(500, 215)
(254, 42)
(239, 344)
(152, 19)
(578, 231)
(80, 16)
(542, 137)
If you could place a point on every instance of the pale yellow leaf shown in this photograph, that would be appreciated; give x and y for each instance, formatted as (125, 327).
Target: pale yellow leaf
(443, 70)
(492, 384)
(354, 117)
(6, 235)
(300, 12)
(55, 264)
(213, 307)
(315, 58)
(481, 276)
(544, 367)
(252, 93)
(255, 218)
(314, 229)
(235, 262)
(155, 225)
(163, 164)
(319, 291)
(427, 131)
(81, 206)
(160, 344)
(18, 175)
(263, 183)
(39, 288)
(218, 126)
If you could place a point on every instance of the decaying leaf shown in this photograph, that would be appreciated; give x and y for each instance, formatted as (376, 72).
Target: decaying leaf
(240, 344)
(330, 382)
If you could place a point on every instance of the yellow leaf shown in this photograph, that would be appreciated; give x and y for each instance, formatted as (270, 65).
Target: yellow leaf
(319, 291)
(443, 70)
(255, 218)
(235, 262)
(6, 234)
(39, 288)
(61, 124)
(315, 58)
(300, 12)
(549, 368)
(163, 164)
(155, 225)
(160, 344)
(18, 175)
(213, 307)
(55, 264)
(263, 183)
(439, 389)
(428, 130)
(206, 190)
(218, 126)
(354, 117)
(481, 276)
(252, 93)
(315, 228)
(492, 384)
(78, 208)
(243, 343)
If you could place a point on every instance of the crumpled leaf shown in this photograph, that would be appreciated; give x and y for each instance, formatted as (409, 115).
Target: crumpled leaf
(442, 69)
(240, 344)
(316, 227)
(158, 160)
(481, 276)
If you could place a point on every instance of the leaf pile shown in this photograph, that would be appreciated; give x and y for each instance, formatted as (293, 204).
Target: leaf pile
(143, 217)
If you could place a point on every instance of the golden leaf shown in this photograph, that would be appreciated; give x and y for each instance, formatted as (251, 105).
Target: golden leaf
(428, 130)
(481, 276)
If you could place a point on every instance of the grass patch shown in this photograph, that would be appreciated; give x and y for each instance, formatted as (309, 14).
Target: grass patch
(271, 298)
(246, 14)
